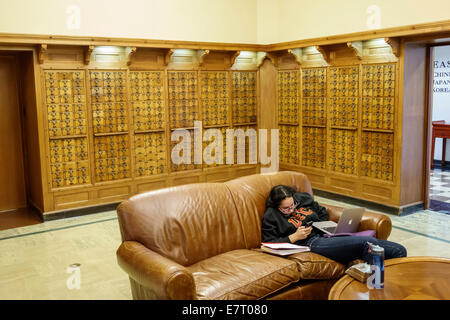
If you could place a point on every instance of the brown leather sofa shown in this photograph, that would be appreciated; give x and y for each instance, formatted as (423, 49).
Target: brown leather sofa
(201, 241)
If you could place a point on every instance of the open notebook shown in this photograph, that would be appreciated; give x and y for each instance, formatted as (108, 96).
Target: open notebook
(283, 249)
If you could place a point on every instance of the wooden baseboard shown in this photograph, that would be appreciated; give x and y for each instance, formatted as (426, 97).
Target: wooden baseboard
(398, 211)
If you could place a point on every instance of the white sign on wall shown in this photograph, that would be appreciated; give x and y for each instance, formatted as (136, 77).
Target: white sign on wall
(441, 94)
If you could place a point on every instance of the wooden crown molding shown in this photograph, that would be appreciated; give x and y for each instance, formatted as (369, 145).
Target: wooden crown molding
(434, 29)
(42, 53)
(356, 47)
(87, 54)
(325, 53)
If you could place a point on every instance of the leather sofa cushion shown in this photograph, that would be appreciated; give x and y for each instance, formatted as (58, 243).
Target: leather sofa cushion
(315, 266)
(185, 223)
(250, 195)
(242, 274)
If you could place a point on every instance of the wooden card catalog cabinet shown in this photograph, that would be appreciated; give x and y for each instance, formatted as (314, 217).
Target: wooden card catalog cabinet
(314, 117)
(183, 111)
(378, 106)
(183, 98)
(147, 101)
(343, 110)
(110, 125)
(244, 111)
(338, 126)
(67, 128)
(243, 96)
(109, 121)
(288, 86)
(215, 98)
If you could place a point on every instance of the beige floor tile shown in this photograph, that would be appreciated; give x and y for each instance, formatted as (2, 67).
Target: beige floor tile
(35, 266)
(423, 246)
(398, 235)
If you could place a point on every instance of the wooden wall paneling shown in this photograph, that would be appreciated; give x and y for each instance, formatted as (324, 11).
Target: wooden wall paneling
(131, 133)
(217, 59)
(268, 114)
(398, 126)
(31, 131)
(338, 53)
(360, 90)
(257, 166)
(109, 57)
(62, 57)
(149, 59)
(41, 118)
(377, 50)
(90, 130)
(167, 123)
(248, 60)
(428, 157)
(183, 59)
(285, 59)
(42, 108)
(300, 117)
(413, 131)
(312, 58)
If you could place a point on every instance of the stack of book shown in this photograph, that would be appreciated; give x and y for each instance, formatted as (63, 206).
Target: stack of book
(283, 249)
(360, 271)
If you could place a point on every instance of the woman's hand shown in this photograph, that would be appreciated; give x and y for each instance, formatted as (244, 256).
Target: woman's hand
(300, 234)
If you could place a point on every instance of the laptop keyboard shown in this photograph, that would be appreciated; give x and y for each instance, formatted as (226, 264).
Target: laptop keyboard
(329, 229)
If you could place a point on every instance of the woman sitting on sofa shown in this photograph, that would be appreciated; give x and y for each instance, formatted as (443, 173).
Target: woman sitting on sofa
(287, 213)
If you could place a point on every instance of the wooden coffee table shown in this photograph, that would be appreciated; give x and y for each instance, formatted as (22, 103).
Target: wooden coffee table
(413, 278)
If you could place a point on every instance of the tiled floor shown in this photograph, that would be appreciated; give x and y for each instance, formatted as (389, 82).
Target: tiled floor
(440, 190)
(35, 261)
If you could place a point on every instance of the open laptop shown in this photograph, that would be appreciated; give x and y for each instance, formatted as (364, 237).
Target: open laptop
(348, 222)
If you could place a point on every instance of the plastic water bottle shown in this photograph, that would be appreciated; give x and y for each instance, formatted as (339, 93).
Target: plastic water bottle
(376, 267)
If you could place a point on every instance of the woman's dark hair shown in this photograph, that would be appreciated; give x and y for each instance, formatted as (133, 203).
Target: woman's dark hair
(278, 194)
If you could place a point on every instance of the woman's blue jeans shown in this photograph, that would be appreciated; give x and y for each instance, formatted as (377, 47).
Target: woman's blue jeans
(345, 249)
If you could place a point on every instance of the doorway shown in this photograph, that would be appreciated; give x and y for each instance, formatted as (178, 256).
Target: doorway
(15, 210)
(439, 191)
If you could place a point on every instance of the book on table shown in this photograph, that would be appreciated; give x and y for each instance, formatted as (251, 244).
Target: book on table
(283, 248)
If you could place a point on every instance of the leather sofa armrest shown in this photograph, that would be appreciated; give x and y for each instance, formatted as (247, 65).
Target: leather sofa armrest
(379, 222)
(164, 277)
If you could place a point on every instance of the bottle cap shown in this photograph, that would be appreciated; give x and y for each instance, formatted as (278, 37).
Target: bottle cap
(377, 249)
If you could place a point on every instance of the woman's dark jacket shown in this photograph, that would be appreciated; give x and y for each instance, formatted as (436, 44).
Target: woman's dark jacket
(276, 226)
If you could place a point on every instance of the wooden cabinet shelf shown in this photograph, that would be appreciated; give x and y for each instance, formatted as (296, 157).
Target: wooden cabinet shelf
(314, 125)
(110, 134)
(68, 137)
(244, 124)
(377, 130)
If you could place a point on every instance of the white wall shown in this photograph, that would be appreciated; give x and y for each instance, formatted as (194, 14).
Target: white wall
(441, 95)
(191, 20)
(237, 21)
(304, 19)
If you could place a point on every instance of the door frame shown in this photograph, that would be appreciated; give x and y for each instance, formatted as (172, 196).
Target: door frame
(428, 157)
(17, 54)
